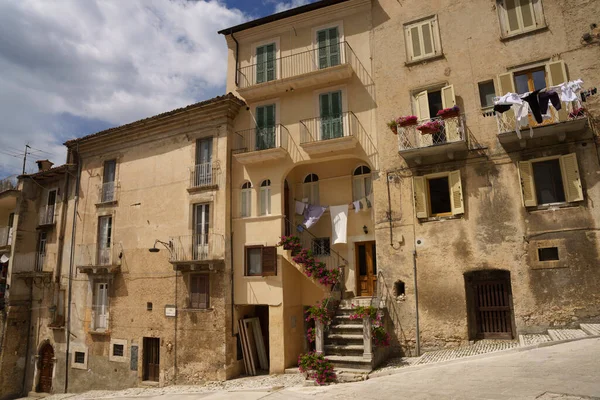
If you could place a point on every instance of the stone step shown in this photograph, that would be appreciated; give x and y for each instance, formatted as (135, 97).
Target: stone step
(351, 362)
(346, 375)
(293, 370)
(531, 339)
(562, 334)
(344, 350)
(346, 327)
(345, 320)
(343, 339)
(590, 329)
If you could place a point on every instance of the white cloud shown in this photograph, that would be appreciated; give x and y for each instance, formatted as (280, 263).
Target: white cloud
(286, 5)
(109, 61)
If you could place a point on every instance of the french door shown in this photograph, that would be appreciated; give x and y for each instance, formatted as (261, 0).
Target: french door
(101, 306)
(203, 175)
(329, 47)
(265, 127)
(201, 231)
(330, 105)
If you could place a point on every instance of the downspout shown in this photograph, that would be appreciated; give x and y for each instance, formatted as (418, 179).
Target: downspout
(231, 240)
(237, 51)
(389, 211)
(175, 344)
(418, 331)
(28, 336)
(71, 263)
(63, 222)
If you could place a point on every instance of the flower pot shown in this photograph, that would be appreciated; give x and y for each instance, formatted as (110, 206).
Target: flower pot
(450, 114)
(408, 123)
(394, 129)
(428, 131)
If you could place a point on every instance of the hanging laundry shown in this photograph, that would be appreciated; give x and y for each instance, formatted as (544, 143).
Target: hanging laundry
(569, 90)
(547, 97)
(300, 206)
(534, 105)
(356, 205)
(522, 117)
(363, 203)
(339, 223)
(312, 214)
(501, 108)
(369, 200)
(509, 99)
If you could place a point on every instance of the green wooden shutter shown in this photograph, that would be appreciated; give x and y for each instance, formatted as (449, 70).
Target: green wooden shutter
(336, 114)
(269, 130)
(322, 43)
(269, 261)
(260, 64)
(324, 103)
(270, 67)
(334, 47)
(260, 124)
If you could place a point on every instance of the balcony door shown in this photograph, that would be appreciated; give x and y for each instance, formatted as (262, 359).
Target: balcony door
(11, 221)
(330, 105)
(48, 211)
(265, 63)
(328, 41)
(203, 169)
(201, 227)
(108, 181)
(265, 127)
(41, 251)
(101, 306)
(104, 240)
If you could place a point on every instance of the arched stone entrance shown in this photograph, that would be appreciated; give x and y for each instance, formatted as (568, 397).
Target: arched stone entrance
(489, 304)
(46, 367)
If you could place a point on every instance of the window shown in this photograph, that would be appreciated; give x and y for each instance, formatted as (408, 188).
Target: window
(108, 181)
(266, 69)
(550, 180)
(330, 105)
(11, 220)
(310, 189)
(79, 357)
(100, 306)
(246, 199)
(427, 104)
(321, 246)
(201, 231)
(518, 16)
(47, 212)
(265, 197)
(422, 39)
(104, 240)
(41, 251)
(438, 195)
(328, 43)
(487, 92)
(361, 185)
(548, 254)
(199, 291)
(261, 261)
(265, 127)
(203, 172)
(118, 350)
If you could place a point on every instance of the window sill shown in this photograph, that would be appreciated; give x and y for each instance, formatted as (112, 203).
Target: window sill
(259, 218)
(107, 203)
(100, 333)
(509, 37)
(259, 277)
(552, 207)
(200, 310)
(200, 189)
(439, 219)
(424, 60)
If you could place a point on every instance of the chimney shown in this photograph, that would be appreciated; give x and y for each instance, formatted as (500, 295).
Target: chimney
(44, 165)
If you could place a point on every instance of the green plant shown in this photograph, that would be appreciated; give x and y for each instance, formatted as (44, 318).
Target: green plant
(317, 367)
(378, 332)
(319, 312)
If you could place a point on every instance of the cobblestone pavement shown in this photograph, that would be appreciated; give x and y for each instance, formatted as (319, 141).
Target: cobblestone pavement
(528, 340)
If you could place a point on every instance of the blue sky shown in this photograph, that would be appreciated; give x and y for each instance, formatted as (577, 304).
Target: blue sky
(71, 68)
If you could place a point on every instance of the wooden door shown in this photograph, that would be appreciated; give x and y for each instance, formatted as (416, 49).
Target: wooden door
(151, 367)
(46, 367)
(366, 269)
(493, 312)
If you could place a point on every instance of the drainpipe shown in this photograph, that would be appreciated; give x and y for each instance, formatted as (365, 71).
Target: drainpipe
(28, 335)
(416, 302)
(231, 238)
(389, 211)
(237, 50)
(71, 263)
(175, 344)
(63, 223)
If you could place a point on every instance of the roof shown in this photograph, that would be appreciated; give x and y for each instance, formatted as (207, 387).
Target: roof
(281, 15)
(49, 173)
(214, 100)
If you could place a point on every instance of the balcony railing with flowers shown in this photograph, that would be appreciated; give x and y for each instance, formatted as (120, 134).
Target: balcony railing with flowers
(257, 139)
(296, 64)
(204, 175)
(432, 132)
(200, 247)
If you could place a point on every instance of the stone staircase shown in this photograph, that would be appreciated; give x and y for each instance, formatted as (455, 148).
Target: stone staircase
(553, 335)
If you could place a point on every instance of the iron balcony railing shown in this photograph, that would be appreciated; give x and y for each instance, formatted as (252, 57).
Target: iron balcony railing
(46, 216)
(89, 255)
(108, 192)
(29, 262)
(6, 233)
(330, 127)
(297, 64)
(204, 175)
(449, 130)
(507, 121)
(257, 139)
(8, 183)
(199, 247)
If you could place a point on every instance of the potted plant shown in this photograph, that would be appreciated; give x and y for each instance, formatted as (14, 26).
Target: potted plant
(407, 120)
(430, 127)
(393, 126)
(451, 112)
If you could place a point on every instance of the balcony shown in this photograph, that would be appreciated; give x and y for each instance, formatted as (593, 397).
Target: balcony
(107, 193)
(90, 259)
(555, 129)
(31, 265)
(413, 146)
(46, 217)
(301, 70)
(204, 176)
(6, 234)
(257, 145)
(197, 252)
(329, 134)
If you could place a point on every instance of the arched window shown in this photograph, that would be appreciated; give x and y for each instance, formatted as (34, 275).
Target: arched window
(310, 189)
(265, 197)
(246, 199)
(361, 183)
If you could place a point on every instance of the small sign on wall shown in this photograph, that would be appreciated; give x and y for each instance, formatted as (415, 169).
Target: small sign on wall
(134, 357)
(170, 310)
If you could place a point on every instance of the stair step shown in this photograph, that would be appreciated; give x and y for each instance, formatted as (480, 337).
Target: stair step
(349, 359)
(562, 334)
(590, 329)
(355, 350)
(345, 347)
(528, 340)
(346, 327)
(344, 336)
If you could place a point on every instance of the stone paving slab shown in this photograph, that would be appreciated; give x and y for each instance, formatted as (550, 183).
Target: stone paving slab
(591, 329)
(564, 334)
(528, 340)
(480, 347)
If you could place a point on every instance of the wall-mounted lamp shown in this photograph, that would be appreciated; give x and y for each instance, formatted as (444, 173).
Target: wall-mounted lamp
(168, 246)
(365, 230)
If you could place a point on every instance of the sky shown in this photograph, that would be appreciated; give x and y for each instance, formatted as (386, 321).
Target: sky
(70, 68)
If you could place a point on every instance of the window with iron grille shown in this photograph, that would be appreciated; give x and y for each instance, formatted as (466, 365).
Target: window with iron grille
(79, 357)
(321, 246)
(118, 350)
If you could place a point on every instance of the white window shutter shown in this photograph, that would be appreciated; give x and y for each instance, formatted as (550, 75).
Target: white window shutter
(556, 73)
(448, 97)
(528, 193)
(456, 197)
(420, 195)
(571, 178)
(422, 106)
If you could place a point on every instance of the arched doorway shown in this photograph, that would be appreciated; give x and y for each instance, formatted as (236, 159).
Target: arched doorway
(489, 304)
(46, 364)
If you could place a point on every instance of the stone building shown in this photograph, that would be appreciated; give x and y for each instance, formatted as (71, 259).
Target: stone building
(501, 225)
